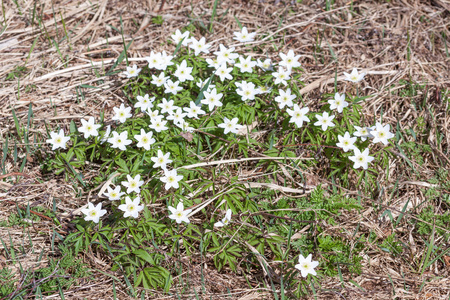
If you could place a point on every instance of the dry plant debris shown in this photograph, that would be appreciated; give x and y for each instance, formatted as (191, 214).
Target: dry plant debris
(54, 55)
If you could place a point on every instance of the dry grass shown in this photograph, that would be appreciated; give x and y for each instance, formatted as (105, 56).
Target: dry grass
(374, 37)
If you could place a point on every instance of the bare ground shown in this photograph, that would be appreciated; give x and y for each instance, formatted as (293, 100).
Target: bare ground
(392, 41)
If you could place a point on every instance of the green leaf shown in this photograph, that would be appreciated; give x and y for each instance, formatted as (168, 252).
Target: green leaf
(123, 166)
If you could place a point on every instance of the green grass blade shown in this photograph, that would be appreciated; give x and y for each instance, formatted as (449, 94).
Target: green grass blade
(426, 263)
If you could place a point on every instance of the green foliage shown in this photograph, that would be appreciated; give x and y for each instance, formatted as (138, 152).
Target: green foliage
(7, 282)
(392, 245)
(416, 151)
(62, 272)
(429, 215)
(158, 20)
(18, 72)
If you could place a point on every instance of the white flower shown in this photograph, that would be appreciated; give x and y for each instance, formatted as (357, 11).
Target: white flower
(212, 99)
(177, 116)
(285, 98)
(153, 113)
(382, 134)
(338, 103)
(199, 46)
(114, 194)
(244, 36)
(362, 132)
(161, 160)
(230, 125)
(145, 140)
(223, 72)
(281, 76)
(144, 103)
(179, 214)
(265, 65)
(264, 89)
(325, 121)
(178, 37)
(119, 140)
(106, 134)
(133, 184)
(193, 110)
(183, 72)
(167, 106)
(58, 140)
(346, 142)
(89, 127)
(171, 179)
(225, 220)
(226, 55)
(122, 113)
(158, 124)
(154, 60)
(246, 64)
(172, 87)
(93, 213)
(160, 80)
(361, 159)
(354, 76)
(165, 61)
(298, 116)
(131, 208)
(132, 71)
(247, 90)
(306, 265)
(185, 126)
(215, 62)
(290, 60)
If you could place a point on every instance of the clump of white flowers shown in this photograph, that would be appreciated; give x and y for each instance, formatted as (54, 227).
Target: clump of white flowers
(167, 108)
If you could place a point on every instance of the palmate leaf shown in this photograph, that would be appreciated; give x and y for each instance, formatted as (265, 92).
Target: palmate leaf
(154, 278)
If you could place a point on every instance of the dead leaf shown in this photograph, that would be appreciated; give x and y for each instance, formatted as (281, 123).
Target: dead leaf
(447, 261)
(187, 136)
